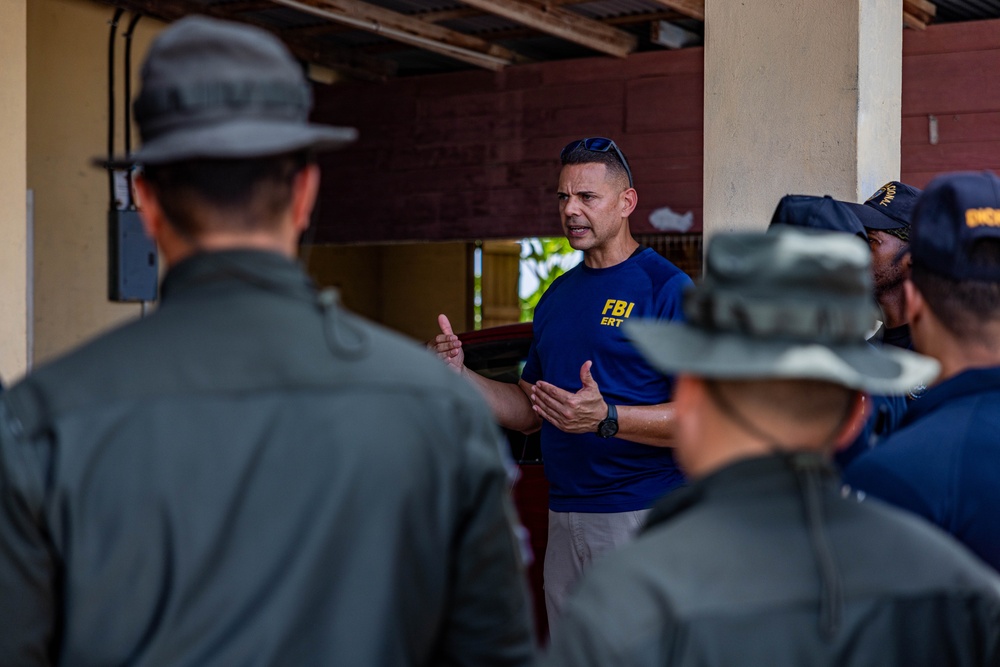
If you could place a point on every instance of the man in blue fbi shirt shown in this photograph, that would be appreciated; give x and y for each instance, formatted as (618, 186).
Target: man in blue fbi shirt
(605, 414)
(944, 461)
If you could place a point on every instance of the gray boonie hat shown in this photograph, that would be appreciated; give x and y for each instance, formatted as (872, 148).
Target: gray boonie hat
(215, 89)
(790, 304)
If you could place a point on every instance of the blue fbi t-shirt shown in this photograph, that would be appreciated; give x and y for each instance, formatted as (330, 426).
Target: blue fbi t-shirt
(578, 318)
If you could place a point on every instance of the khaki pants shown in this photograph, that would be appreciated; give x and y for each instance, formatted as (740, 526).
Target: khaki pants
(576, 539)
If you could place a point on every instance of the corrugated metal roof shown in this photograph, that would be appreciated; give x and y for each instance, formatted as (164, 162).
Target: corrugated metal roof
(606, 9)
(966, 10)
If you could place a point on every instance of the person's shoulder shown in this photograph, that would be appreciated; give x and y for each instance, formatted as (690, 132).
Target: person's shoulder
(895, 472)
(935, 560)
(909, 445)
(87, 363)
(660, 271)
(391, 357)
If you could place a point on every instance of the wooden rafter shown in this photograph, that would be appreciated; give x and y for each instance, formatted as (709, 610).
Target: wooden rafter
(440, 15)
(694, 9)
(918, 13)
(646, 17)
(522, 32)
(562, 23)
(349, 61)
(241, 6)
(402, 28)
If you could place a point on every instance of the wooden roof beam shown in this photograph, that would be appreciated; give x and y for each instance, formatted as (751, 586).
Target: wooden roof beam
(402, 28)
(562, 23)
(694, 9)
(341, 59)
(241, 6)
(918, 13)
(521, 32)
(438, 15)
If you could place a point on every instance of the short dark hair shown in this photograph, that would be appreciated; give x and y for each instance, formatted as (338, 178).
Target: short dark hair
(609, 159)
(242, 194)
(963, 306)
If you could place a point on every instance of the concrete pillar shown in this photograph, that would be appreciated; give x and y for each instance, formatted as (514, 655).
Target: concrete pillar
(801, 97)
(13, 190)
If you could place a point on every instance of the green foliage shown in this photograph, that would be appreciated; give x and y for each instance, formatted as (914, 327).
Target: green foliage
(546, 259)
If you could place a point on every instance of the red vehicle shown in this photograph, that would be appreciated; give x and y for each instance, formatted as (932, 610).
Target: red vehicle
(499, 354)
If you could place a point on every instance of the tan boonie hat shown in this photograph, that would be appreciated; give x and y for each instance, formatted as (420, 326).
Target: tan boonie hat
(790, 304)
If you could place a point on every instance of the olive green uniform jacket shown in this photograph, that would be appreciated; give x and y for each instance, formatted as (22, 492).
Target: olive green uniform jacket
(765, 562)
(253, 476)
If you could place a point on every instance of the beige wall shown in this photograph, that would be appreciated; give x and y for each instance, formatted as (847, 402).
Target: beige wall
(801, 96)
(67, 126)
(13, 220)
(402, 286)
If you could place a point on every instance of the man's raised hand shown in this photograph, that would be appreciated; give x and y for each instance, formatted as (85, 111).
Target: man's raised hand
(447, 346)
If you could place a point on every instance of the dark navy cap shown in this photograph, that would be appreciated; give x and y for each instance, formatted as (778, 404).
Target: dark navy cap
(891, 207)
(952, 214)
(824, 213)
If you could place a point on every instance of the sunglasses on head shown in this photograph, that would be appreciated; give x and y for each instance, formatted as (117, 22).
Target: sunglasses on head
(598, 145)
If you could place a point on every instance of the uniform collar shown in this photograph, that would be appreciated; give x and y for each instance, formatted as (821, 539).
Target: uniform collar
(805, 475)
(751, 478)
(967, 383)
(237, 269)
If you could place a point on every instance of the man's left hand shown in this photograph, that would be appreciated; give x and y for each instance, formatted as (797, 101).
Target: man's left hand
(578, 412)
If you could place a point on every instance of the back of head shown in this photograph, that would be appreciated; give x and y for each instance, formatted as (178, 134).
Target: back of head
(955, 249)
(238, 194)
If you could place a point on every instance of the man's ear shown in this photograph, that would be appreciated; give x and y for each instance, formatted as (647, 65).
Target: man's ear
(685, 389)
(689, 398)
(305, 188)
(629, 200)
(906, 262)
(149, 207)
(915, 304)
(857, 415)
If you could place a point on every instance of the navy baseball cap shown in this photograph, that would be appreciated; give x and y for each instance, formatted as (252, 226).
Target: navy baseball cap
(891, 207)
(952, 215)
(825, 213)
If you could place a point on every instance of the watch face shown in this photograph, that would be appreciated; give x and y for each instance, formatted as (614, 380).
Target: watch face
(607, 428)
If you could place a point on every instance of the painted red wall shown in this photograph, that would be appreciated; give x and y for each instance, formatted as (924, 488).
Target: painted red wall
(951, 72)
(474, 155)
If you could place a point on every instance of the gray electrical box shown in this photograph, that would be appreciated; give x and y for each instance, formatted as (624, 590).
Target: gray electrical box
(132, 259)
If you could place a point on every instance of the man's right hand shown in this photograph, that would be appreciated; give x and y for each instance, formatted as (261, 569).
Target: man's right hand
(447, 346)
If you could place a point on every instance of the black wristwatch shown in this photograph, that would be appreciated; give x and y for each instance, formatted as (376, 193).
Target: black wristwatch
(609, 425)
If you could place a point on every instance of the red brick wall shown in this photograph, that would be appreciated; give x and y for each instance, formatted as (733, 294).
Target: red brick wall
(952, 72)
(475, 155)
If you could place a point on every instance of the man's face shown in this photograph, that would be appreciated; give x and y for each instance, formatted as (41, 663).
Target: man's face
(889, 270)
(590, 205)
